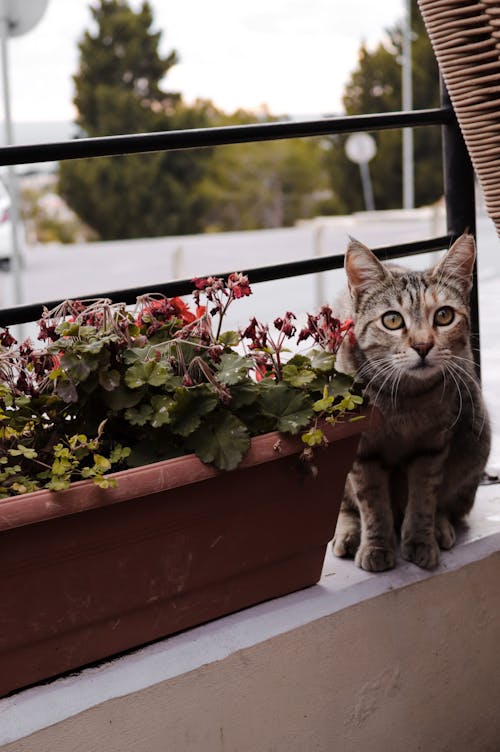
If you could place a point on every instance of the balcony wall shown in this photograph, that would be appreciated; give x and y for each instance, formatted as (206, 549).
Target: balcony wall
(402, 660)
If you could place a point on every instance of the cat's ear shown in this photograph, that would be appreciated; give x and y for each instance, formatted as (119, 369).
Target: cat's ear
(362, 267)
(457, 264)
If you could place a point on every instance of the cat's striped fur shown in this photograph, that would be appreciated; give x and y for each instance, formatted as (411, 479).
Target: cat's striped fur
(415, 477)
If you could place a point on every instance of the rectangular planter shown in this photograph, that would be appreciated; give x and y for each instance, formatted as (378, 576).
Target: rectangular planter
(87, 573)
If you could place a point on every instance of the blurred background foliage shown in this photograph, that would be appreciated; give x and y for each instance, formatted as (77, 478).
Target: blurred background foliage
(119, 89)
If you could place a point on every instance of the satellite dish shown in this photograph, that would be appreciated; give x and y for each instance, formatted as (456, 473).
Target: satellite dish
(22, 15)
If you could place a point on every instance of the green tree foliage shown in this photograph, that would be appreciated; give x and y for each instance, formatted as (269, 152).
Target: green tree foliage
(118, 83)
(375, 86)
(118, 91)
(263, 184)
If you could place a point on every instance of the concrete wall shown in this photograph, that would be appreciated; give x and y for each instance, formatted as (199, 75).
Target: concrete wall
(415, 668)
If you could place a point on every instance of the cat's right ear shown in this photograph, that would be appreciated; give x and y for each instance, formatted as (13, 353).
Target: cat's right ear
(362, 267)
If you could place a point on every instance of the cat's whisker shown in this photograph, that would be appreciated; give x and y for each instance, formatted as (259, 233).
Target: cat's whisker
(459, 392)
(390, 370)
(374, 369)
(469, 380)
(459, 371)
(470, 361)
(379, 373)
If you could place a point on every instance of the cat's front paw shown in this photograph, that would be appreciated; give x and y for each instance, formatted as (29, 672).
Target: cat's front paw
(423, 553)
(445, 533)
(375, 558)
(346, 543)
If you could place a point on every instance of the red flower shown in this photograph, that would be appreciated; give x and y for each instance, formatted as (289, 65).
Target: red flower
(182, 310)
(157, 312)
(285, 324)
(238, 284)
(6, 339)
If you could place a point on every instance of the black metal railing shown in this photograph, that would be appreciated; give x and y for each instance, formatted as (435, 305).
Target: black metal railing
(458, 181)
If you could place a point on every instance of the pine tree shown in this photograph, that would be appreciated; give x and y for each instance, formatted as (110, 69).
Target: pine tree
(118, 90)
(118, 83)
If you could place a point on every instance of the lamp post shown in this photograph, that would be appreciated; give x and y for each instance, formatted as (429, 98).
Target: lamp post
(16, 17)
(361, 148)
(407, 102)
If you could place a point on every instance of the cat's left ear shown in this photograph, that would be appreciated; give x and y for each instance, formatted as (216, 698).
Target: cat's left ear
(362, 267)
(458, 263)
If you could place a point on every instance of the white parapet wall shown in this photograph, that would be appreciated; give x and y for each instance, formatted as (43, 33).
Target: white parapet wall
(405, 660)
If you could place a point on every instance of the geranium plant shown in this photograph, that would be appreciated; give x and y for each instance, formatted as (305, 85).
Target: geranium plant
(107, 388)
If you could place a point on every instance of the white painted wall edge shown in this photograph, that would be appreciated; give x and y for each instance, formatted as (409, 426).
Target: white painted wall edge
(342, 585)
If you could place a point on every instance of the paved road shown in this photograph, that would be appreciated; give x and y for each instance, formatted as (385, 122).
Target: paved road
(55, 271)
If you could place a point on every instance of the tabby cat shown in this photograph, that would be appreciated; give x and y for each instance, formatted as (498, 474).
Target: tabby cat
(417, 475)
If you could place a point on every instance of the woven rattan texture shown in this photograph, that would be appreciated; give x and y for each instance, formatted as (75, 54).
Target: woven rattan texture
(465, 35)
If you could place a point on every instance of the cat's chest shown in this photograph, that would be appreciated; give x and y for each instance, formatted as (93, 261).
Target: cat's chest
(404, 436)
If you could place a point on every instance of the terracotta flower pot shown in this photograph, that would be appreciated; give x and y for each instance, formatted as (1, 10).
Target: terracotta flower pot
(87, 573)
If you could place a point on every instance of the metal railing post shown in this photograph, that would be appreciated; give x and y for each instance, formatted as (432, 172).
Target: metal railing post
(459, 194)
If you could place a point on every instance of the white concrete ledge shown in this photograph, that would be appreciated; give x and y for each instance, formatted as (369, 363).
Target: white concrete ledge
(342, 586)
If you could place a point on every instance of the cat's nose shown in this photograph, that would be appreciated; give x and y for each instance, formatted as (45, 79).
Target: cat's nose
(423, 348)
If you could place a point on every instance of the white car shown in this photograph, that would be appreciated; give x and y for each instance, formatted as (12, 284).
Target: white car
(5, 228)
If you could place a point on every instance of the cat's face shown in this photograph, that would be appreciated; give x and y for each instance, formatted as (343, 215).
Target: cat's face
(412, 324)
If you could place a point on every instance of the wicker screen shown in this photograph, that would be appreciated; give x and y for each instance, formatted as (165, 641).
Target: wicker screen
(465, 36)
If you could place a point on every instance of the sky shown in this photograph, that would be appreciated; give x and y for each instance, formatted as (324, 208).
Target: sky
(293, 56)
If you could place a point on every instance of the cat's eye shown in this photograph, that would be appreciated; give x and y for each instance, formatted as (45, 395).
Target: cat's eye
(393, 320)
(444, 316)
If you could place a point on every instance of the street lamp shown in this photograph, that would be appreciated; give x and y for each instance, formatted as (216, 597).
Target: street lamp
(361, 148)
(407, 102)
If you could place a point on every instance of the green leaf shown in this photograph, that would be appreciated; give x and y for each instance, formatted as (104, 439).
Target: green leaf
(232, 369)
(94, 347)
(323, 405)
(160, 410)
(139, 416)
(189, 407)
(66, 390)
(290, 409)
(229, 339)
(159, 375)
(61, 466)
(135, 355)
(78, 368)
(58, 485)
(349, 402)
(79, 438)
(68, 329)
(122, 398)
(298, 377)
(340, 383)
(245, 394)
(109, 379)
(151, 372)
(313, 437)
(30, 454)
(105, 482)
(137, 375)
(119, 453)
(322, 361)
(300, 361)
(221, 439)
(101, 464)
(86, 331)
